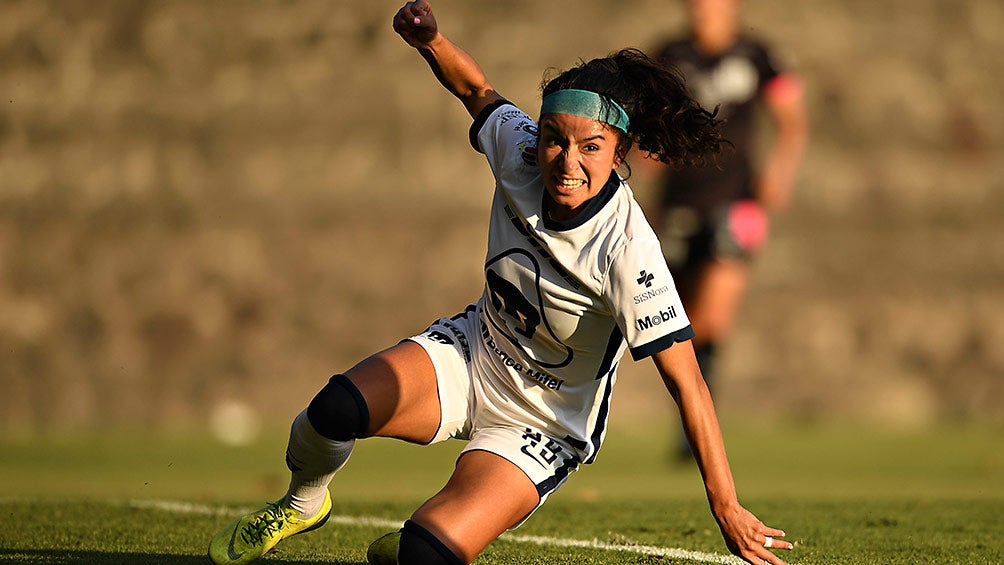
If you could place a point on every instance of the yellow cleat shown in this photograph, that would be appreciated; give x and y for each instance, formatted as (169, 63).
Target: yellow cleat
(251, 536)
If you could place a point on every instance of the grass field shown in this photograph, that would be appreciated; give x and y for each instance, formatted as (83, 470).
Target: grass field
(852, 496)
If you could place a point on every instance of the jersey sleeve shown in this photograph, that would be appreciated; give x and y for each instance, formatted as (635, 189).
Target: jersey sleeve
(507, 137)
(644, 300)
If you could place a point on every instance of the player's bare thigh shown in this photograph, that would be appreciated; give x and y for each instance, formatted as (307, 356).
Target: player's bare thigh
(485, 496)
(401, 392)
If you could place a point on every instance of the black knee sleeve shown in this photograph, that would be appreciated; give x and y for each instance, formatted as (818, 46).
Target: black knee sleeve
(420, 547)
(339, 411)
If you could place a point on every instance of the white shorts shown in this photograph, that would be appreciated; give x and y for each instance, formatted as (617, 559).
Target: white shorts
(470, 408)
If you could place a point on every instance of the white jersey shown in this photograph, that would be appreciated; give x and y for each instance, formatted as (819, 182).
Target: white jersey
(564, 300)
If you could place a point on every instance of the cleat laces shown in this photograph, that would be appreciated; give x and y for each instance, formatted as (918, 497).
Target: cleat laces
(264, 525)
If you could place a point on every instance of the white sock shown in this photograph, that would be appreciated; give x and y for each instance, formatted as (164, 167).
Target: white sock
(315, 459)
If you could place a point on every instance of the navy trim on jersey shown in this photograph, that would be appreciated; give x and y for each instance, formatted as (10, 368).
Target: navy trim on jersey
(576, 443)
(480, 119)
(664, 342)
(592, 206)
(596, 438)
(470, 308)
(547, 486)
(613, 345)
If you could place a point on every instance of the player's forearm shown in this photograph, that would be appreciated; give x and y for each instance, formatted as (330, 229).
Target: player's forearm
(682, 377)
(780, 169)
(777, 180)
(458, 72)
(704, 433)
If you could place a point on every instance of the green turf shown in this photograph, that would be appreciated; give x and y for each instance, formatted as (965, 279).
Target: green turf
(844, 496)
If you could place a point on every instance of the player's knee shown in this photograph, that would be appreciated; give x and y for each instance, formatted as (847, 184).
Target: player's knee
(421, 547)
(339, 411)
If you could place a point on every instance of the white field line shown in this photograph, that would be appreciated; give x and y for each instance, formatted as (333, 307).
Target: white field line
(671, 552)
(366, 521)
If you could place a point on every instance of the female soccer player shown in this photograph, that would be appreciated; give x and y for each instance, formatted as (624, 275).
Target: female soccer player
(574, 278)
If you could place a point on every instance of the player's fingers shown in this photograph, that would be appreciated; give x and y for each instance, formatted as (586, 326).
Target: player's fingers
(400, 18)
(407, 18)
(423, 14)
(407, 12)
(412, 16)
(772, 539)
(414, 11)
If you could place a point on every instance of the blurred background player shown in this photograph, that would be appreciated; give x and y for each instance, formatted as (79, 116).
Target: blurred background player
(711, 220)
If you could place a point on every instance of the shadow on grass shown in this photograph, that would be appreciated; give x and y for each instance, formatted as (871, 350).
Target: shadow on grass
(60, 556)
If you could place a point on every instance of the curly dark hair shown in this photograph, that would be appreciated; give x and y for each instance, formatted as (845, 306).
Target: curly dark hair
(666, 121)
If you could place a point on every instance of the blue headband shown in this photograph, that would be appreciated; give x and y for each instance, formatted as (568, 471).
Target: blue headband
(586, 104)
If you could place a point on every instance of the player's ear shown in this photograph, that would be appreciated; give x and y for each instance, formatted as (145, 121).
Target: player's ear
(622, 150)
(620, 155)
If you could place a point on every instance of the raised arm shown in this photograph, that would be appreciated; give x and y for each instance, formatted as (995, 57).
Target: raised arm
(744, 534)
(784, 98)
(454, 67)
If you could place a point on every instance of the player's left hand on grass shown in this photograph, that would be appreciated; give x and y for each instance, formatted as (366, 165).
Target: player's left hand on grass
(749, 538)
